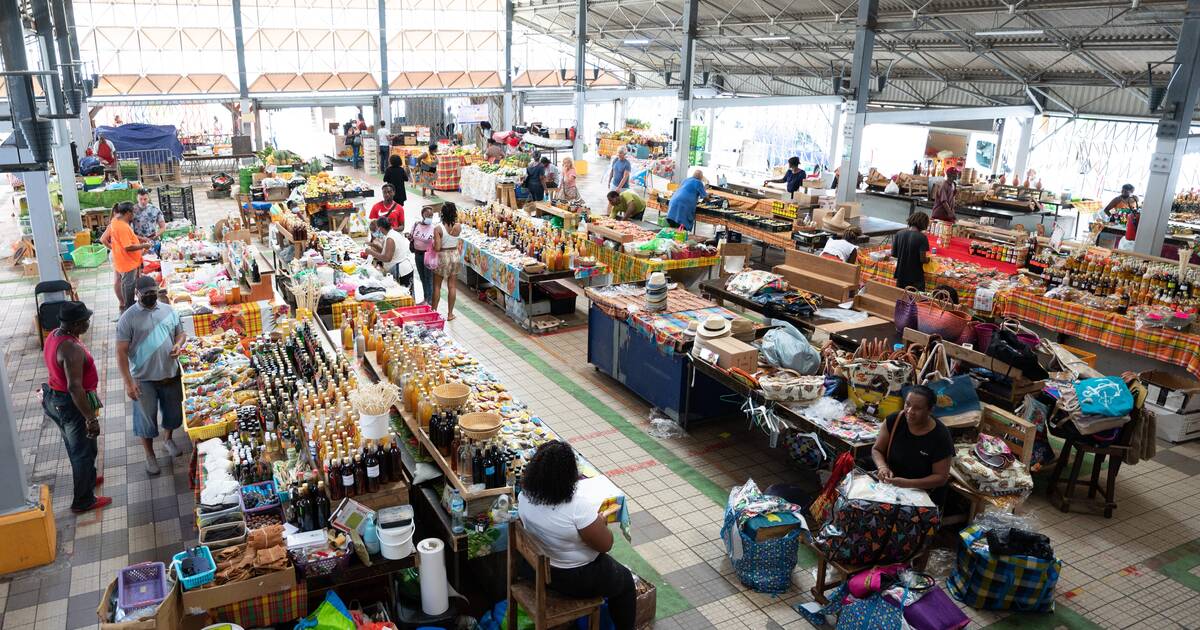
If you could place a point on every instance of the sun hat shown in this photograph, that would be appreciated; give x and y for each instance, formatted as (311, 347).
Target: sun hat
(72, 312)
(714, 327)
(837, 222)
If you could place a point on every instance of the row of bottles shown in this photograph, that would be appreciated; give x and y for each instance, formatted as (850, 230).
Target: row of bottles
(999, 251)
(309, 506)
(488, 463)
(554, 247)
(365, 472)
(1187, 201)
(1138, 282)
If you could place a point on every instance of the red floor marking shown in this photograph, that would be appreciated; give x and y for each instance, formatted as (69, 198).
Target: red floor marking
(710, 448)
(591, 436)
(649, 463)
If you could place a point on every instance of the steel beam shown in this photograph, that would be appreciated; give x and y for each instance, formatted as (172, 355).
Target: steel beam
(763, 101)
(383, 53)
(835, 138)
(508, 65)
(580, 78)
(903, 116)
(64, 165)
(240, 43)
(687, 56)
(864, 46)
(1173, 133)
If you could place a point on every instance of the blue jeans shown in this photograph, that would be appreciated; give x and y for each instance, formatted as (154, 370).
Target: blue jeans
(164, 396)
(81, 449)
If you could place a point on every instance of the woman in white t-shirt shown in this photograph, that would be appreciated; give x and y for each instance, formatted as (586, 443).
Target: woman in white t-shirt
(574, 533)
(843, 248)
(391, 249)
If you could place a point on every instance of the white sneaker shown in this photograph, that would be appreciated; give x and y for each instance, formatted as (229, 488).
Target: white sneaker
(152, 468)
(172, 449)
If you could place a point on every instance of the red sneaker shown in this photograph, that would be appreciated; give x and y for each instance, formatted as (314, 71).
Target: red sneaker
(100, 502)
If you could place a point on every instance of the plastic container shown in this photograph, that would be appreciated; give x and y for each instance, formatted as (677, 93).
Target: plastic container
(263, 490)
(221, 517)
(395, 529)
(90, 256)
(141, 585)
(222, 536)
(200, 578)
(374, 427)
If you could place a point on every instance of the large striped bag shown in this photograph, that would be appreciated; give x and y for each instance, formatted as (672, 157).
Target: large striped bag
(983, 580)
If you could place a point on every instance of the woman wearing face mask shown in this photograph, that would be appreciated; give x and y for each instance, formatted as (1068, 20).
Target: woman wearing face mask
(390, 248)
(422, 240)
(69, 398)
(914, 449)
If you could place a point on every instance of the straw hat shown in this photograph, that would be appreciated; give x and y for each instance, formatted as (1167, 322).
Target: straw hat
(714, 327)
(837, 222)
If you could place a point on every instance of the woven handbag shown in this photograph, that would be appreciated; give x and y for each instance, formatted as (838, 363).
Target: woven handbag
(905, 314)
(936, 315)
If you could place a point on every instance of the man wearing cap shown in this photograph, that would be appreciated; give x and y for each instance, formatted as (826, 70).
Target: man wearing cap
(149, 338)
(69, 399)
(943, 197)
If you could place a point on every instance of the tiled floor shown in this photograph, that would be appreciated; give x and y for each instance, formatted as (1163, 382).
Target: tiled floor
(1138, 569)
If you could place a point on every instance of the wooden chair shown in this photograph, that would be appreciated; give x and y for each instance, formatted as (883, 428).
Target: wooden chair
(547, 608)
(1016, 432)
(1115, 452)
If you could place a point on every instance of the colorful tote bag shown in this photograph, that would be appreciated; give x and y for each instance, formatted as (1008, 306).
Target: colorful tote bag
(983, 580)
(875, 523)
(874, 386)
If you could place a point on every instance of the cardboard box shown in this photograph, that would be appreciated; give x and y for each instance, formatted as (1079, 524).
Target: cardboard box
(276, 193)
(1179, 394)
(1175, 427)
(730, 253)
(257, 177)
(732, 353)
(204, 599)
(168, 617)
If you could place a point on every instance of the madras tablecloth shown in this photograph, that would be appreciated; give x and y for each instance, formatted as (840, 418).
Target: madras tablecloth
(349, 306)
(1110, 330)
(628, 268)
(884, 272)
(608, 146)
(248, 319)
(449, 168)
(267, 610)
(505, 277)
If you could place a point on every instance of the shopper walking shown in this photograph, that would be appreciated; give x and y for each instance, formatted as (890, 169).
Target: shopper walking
(385, 144)
(943, 197)
(397, 177)
(354, 141)
(149, 338)
(910, 248)
(570, 188)
(390, 248)
(574, 533)
(127, 248)
(448, 245)
(619, 173)
(682, 210)
(422, 241)
(69, 399)
(388, 208)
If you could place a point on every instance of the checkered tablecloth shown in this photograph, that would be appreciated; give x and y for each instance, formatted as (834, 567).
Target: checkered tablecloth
(884, 273)
(248, 319)
(350, 306)
(628, 268)
(609, 146)
(267, 610)
(449, 168)
(1110, 330)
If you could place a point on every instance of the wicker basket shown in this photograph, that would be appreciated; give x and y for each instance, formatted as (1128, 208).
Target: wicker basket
(324, 566)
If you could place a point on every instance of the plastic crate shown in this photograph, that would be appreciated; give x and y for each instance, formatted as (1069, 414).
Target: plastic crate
(262, 489)
(202, 432)
(90, 256)
(199, 579)
(141, 585)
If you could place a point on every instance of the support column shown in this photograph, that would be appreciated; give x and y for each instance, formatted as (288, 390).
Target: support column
(1173, 130)
(64, 166)
(580, 79)
(15, 494)
(683, 124)
(1002, 126)
(835, 138)
(508, 67)
(243, 87)
(41, 221)
(864, 48)
(258, 137)
(1023, 145)
(383, 60)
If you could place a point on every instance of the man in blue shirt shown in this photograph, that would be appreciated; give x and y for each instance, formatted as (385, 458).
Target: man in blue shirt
(682, 211)
(794, 177)
(619, 180)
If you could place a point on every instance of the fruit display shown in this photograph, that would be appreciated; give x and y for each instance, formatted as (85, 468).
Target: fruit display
(324, 185)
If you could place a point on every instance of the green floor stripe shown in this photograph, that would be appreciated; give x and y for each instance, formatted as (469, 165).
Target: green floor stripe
(1062, 617)
(668, 600)
(805, 558)
(1187, 557)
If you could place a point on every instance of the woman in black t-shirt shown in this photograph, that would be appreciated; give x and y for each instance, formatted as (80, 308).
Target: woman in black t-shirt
(914, 449)
(397, 177)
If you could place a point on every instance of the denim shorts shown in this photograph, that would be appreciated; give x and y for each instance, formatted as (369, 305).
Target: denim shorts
(159, 399)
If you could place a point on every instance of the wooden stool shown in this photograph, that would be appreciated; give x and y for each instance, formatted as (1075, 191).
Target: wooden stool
(547, 608)
(1116, 454)
(1016, 432)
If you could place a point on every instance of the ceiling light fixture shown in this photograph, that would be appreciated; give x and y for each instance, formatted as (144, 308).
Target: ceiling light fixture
(771, 38)
(636, 42)
(1014, 33)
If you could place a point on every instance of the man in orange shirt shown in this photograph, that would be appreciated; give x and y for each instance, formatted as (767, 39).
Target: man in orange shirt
(127, 250)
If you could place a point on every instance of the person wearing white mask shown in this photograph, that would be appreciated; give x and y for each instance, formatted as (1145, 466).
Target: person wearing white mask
(390, 248)
(422, 239)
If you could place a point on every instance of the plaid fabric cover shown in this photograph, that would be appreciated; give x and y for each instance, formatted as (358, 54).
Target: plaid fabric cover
(884, 273)
(608, 146)
(626, 268)
(620, 306)
(782, 240)
(249, 319)
(1110, 330)
(448, 171)
(981, 580)
(503, 276)
(667, 328)
(349, 306)
(267, 610)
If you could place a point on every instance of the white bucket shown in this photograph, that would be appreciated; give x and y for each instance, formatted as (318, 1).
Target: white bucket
(395, 542)
(325, 275)
(374, 427)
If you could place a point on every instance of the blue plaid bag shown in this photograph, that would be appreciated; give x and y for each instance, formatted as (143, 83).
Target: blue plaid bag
(983, 580)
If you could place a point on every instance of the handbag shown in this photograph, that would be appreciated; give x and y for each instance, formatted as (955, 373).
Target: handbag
(935, 611)
(1105, 396)
(875, 386)
(905, 314)
(936, 315)
(787, 385)
(873, 522)
(431, 259)
(821, 505)
(806, 449)
(1006, 347)
(957, 402)
(981, 579)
